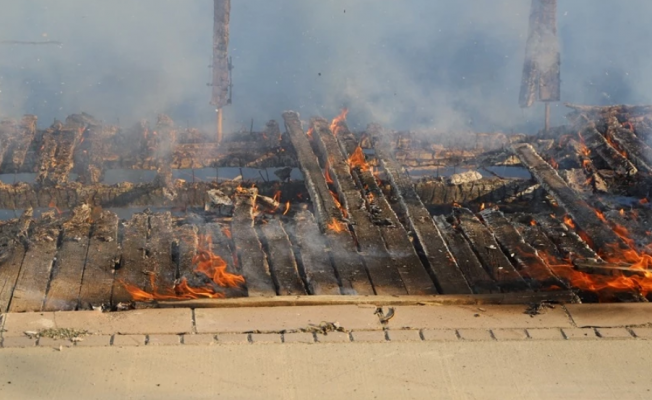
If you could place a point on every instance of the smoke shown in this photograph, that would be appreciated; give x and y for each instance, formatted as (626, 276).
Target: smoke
(431, 64)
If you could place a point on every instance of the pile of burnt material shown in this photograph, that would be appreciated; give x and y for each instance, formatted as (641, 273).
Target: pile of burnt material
(496, 218)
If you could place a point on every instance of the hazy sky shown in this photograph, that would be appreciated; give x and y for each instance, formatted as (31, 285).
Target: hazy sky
(442, 64)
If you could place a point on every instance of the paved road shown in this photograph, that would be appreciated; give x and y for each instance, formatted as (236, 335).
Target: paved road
(556, 369)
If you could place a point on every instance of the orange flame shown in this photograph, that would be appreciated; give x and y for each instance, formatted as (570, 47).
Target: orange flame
(205, 263)
(227, 232)
(310, 132)
(482, 207)
(569, 221)
(358, 160)
(327, 175)
(622, 212)
(644, 201)
(337, 123)
(553, 163)
(336, 226)
(336, 199)
(287, 208)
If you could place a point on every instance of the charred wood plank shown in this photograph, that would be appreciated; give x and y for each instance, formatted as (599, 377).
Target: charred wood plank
(32, 284)
(103, 257)
(353, 276)
(597, 144)
(569, 243)
(414, 275)
(68, 269)
(13, 240)
(251, 257)
(315, 260)
(281, 259)
(187, 244)
(475, 274)
(584, 216)
(383, 269)
(132, 269)
(21, 144)
(444, 268)
(223, 247)
(488, 251)
(46, 155)
(530, 266)
(67, 140)
(8, 133)
(634, 148)
(159, 250)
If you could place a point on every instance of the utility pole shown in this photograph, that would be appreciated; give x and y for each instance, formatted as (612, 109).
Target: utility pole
(541, 69)
(221, 86)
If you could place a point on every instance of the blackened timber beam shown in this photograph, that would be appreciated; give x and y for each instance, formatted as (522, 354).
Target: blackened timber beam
(597, 144)
(529, 264)
(187, 242)
(281, 259)
(21, 144)
(478, 278)
(68, 269)
(47, 152)
(132, 270)
(582, 214)
(251, 257)
(32, 284)
(159, 250)
(13, 241)
(315, 260)
(484, 243)
(325, 209)
(351, 271)
(67, 140)
(635, 149)
(8, 133)
(223, 247)
(71, 194)
(415, 277)
(446, 271)
(103, 257)
(523, 298)
(382, 268)
(569, 243)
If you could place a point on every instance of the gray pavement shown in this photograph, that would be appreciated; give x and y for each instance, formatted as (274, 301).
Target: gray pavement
(442, 352)
(591, 369)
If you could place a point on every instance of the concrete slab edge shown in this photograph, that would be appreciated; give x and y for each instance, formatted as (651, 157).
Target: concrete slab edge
(386, 336)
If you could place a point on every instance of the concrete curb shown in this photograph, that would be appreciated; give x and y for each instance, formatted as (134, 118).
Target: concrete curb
(288, 325)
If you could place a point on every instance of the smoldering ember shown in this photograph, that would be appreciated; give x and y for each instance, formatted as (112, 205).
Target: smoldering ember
(100, 216)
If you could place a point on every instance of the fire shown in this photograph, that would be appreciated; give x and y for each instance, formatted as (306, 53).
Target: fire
(227, 232)
(622, 212)
(358, 160)
(310, 132)
(644, 201)
(327, 175)
(336, 226)
(336, 199)
(338, 121)
(569, 221)
(287, 208)
(553, 163)
(206, 263)
(601, 216)
(482, 207)
(533, 222)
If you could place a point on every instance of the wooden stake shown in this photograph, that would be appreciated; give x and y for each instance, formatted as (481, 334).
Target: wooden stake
(220, 118)
(547, 122)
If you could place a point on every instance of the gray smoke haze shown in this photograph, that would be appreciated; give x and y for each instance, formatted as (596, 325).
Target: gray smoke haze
(450, 65)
